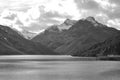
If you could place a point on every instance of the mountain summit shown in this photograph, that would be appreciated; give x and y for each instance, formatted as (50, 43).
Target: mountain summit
(76, 40)
(69, 22)
(92, 20)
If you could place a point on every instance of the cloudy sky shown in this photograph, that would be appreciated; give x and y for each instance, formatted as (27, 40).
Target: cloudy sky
(35, 15)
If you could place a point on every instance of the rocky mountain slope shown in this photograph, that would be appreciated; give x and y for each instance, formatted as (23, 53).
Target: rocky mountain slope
(53, 36)
(108, 47)
(79, 38)
(13, 43)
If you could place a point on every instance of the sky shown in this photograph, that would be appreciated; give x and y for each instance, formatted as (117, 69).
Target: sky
(37, 15)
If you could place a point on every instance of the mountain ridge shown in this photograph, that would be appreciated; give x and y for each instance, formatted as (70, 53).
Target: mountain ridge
(13, 43)
(78, 38)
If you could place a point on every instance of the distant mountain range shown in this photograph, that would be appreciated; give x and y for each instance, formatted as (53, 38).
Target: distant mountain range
(11, 42)
(27, 34)
(85, 37)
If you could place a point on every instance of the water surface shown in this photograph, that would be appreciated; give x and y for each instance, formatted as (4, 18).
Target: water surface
(56, 68)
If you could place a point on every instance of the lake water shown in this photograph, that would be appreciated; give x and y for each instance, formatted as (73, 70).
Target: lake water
(57, 68)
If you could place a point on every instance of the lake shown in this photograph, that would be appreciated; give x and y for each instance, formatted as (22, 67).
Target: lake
(27, 67)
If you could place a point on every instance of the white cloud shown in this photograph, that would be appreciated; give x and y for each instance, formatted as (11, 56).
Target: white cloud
(26, 18)
(10, 23)
(17, 27)
(38, 14)
(114, 23)
(58, 19)
(102, 17)
(63, 7)
(33, 13)
(105, 4)
(49, 24)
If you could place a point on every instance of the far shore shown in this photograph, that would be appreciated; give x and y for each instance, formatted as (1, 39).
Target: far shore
(44, 58)
(56, 58)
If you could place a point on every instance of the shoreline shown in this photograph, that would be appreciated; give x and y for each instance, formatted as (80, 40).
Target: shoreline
(56, 58)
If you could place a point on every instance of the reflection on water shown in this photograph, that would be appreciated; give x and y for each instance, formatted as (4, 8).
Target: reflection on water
(18, 68)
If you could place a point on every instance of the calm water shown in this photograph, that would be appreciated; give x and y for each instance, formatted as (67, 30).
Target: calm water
(63, 68)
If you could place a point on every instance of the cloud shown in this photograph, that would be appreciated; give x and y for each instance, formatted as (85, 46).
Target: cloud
(10, 23)
(20, 19)
(36, 15)
(58, 19)
(115, 23)
(105, 4)
(102, 17)
(63, 7)
(34, 12)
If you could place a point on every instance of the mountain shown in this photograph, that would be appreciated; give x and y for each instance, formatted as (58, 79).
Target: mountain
(53, 36)
(108, 47)
(13, 43)
(66, 24)
(69, 22)
(27, 34)
(81, 36)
